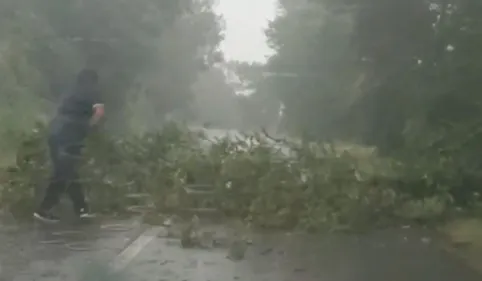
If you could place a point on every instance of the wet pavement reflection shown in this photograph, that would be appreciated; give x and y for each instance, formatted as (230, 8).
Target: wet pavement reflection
(44, 252)
(395, 254)
(392, 254)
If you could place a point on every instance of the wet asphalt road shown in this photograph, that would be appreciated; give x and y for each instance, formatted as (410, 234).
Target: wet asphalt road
(35, 251)
(395, 255)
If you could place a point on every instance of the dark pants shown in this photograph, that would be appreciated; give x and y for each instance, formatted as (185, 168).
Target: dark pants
(65, 160)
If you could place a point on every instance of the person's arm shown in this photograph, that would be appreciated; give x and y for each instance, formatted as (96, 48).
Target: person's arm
(98, 109)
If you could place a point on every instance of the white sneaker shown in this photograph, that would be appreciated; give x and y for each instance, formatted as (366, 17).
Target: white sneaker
(45, 217)
(84, 214)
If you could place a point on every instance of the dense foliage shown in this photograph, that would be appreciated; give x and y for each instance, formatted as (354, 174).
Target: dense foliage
(270, 182)
(379, 73)
(398, 75)
(148, 53)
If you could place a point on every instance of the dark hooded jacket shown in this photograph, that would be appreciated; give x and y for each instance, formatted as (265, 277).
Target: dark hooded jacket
(71, 123)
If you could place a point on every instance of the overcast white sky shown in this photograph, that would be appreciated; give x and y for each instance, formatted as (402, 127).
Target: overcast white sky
(245, 23)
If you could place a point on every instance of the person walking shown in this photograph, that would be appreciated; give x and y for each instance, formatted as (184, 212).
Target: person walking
(78, 112)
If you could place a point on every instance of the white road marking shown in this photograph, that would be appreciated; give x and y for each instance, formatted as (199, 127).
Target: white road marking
(129, 253)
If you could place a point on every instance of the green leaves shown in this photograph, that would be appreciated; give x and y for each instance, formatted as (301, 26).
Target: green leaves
(148, 54)
(318, 186)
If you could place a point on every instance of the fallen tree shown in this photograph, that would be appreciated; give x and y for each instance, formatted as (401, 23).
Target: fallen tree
(313, 186)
